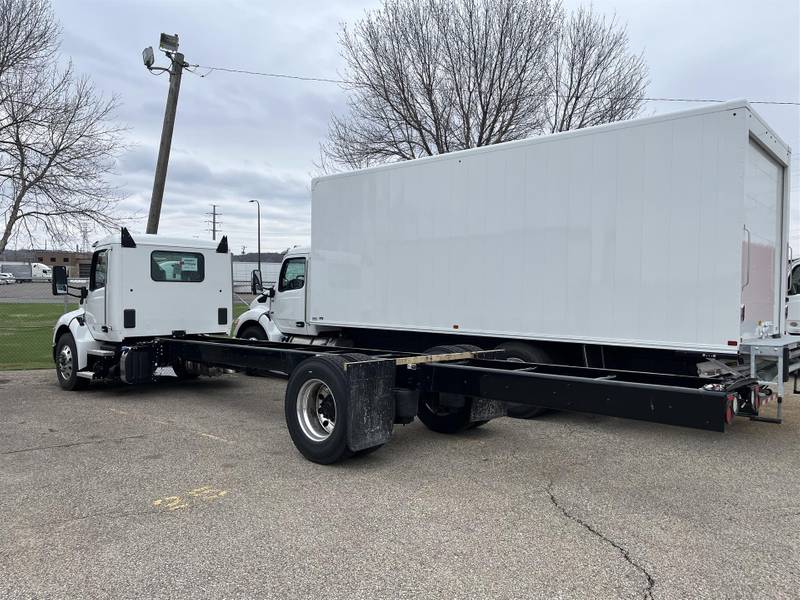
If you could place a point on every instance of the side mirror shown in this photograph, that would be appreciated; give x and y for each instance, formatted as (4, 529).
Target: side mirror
(59, 281)
(271, 292)
(255, 282)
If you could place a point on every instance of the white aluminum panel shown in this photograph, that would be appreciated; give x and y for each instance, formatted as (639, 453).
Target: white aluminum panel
(763, 211)
(625, 234)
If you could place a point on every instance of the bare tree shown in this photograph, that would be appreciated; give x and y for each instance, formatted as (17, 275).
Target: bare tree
(431, 76)
(592, 77)
(57, 141)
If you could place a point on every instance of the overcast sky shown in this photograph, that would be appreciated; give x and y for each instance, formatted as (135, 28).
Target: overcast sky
(239, 137)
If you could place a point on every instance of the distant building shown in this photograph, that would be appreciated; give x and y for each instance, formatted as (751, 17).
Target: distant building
(77, 263)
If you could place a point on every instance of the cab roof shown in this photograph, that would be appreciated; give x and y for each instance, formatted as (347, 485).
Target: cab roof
(147, 239)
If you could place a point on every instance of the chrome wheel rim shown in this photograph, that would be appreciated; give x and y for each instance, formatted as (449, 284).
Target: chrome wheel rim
(316, 410)
(65, 364)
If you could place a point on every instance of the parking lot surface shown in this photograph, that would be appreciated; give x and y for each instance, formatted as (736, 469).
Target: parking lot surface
(39, 291)
(177, 490)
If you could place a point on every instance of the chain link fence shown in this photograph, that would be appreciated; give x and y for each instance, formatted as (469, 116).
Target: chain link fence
(28, 312)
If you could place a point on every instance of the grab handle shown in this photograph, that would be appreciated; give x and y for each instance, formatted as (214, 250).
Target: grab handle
(747, 281)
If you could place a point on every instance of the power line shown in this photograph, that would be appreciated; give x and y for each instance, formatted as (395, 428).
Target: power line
(348, 82)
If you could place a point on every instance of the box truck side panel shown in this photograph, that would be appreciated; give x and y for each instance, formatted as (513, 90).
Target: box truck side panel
(627, 234)
(761, 246)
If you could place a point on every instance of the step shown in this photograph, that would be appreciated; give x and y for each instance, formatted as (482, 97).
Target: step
(99, 352)
(86, 374)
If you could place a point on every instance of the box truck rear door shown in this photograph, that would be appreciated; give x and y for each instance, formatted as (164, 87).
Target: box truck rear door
(761, 250)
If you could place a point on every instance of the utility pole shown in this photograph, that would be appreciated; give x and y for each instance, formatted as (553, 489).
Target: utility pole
(213, 222)
(169, 45)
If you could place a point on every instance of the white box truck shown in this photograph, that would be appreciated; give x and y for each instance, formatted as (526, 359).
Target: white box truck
(646, 244)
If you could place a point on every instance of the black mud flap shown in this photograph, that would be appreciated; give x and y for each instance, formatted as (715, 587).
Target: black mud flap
(484, 409)
(371, 409)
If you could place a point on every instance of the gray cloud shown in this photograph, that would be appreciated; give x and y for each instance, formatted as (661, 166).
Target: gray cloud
(239, 137)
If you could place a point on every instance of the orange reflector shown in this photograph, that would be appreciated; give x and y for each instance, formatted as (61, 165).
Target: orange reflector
(733, 343)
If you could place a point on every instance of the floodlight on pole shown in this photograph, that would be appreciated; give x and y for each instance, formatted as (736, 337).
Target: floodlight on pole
(168, 43)
(148, 57)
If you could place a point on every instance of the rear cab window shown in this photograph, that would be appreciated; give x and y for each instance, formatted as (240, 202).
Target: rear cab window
(169, 265)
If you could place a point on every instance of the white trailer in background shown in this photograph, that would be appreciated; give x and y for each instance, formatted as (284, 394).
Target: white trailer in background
(654, 243)
(26, 272)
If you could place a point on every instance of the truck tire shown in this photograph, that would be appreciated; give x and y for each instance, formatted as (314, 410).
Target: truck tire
(524, 352)
(182, 372)
(253, 332)
(472, 348)
(316, 405)
(66, 359)
(444, 419)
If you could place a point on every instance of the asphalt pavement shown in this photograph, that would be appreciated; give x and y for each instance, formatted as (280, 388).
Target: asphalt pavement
(39, 292)
(194, 490)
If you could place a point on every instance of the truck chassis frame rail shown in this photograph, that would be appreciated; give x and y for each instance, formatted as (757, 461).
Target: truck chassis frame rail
(345, 401)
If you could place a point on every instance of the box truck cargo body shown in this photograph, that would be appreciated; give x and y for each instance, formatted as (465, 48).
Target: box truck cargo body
(667, 232)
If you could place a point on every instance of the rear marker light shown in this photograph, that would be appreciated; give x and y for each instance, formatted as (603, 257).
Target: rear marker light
(729, 409)
(733, 343)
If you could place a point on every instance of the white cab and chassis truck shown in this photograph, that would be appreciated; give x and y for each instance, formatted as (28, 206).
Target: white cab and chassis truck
(635, 269)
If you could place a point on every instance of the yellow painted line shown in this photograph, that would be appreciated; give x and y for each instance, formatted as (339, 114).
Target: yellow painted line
(215, 437)
(206, 493)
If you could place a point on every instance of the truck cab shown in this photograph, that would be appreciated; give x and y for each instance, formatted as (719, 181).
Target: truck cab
(138, 290)
(793, 299)
(279, 313)
(40, 271)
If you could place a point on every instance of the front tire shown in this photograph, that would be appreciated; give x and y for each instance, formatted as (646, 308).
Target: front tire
(66, 358)
(253, 332)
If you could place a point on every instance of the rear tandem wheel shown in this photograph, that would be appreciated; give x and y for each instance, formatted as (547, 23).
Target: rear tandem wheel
(316, 407)
(452, 415)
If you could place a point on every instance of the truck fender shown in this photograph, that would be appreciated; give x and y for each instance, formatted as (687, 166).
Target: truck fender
(273, 333)
(260, 316)
(74, 323)
(247, 318)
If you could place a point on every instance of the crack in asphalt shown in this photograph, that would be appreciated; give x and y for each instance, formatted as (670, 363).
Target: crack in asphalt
(648, 591)
(70, 444)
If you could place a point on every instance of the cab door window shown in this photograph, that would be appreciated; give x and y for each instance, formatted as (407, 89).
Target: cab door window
(794, 281)
(293, 275)
(99, 272)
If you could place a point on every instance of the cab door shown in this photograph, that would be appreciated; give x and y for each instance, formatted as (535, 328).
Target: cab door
(95, 303)
(289, 304)
(793, 300)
